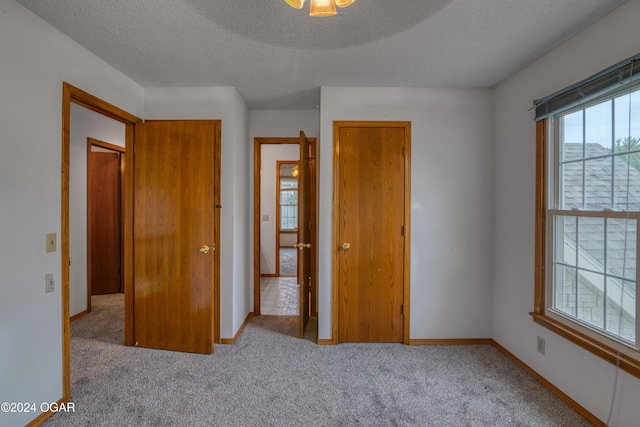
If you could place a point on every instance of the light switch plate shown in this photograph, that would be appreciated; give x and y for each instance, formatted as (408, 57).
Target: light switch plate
(49, 283)
(265, 217)
(51, 242)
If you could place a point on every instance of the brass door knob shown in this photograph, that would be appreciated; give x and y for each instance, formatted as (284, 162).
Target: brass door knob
(345, 246)
(301, 246)
(205, 249)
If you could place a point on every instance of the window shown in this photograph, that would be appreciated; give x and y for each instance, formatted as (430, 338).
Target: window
(588, 210)
(288, 197)
(288, 203)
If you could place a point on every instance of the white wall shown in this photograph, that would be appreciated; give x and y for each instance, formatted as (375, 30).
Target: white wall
(451, 197)
(225, 104)
(84, 123)
(586, 378)
(36, 59)
(284, 123)
(242, 269)
(270, 155)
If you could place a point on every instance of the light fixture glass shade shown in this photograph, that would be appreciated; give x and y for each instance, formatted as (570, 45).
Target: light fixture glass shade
(344, 3)
(322, 8)
(295, 3)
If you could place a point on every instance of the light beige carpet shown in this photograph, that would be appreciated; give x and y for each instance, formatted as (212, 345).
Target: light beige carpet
(271, 378)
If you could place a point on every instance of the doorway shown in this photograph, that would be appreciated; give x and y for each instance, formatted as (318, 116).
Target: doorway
(279, 230)
(371, 231)
(105, 184)
(74, 96)
(86, 126)
(276, 215)
(210, 130)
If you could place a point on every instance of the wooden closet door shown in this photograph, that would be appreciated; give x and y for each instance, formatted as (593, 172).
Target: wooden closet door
(103, 206)
(371, 240)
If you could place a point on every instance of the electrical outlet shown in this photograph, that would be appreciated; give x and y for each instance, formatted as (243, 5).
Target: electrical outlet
(51, 242)
(49, 283)
(540, 345)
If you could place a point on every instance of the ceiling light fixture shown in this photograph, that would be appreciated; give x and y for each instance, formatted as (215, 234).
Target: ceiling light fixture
(320, 7)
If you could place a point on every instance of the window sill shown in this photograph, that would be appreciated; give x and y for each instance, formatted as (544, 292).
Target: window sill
(611, 355)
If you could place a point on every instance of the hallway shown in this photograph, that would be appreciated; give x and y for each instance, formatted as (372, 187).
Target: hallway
(279, 296)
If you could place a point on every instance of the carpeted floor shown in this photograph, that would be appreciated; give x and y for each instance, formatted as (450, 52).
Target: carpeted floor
(271, 378)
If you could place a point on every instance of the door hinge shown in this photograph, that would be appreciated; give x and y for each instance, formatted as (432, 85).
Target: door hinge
(404, 151)
(401, 308)
(402, 229)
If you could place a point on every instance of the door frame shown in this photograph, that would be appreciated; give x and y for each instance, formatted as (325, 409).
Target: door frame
(72, 94)
(91, 142)
(335, 289)
(257, 160)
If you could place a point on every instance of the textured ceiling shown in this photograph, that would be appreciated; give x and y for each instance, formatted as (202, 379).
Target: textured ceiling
(278, 57)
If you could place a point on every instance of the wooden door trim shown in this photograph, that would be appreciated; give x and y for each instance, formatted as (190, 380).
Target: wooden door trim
(217, 200)
(257, 152)
(106, 145)
(335, 299)
(72, 94)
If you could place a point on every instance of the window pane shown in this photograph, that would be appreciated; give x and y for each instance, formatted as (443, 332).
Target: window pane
(288, 217)
(598, 127)
(627, 122)
(621, 308)
(572, 136)
(621, 124)
(634, 113)
(565, 291)
(287, 183)
(598, 191)
(627, 182)
(565, 243)
(621, 247)
(572, 185)
(591, 244)
(591, 298)
(289, 198)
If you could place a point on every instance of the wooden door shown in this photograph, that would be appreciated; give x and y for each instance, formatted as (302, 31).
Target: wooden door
(103, 222)
(173, 232)
(372, 220)
(304, 231)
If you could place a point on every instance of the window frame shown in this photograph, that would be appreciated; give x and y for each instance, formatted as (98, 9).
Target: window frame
(279, 204)
(627, 358)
